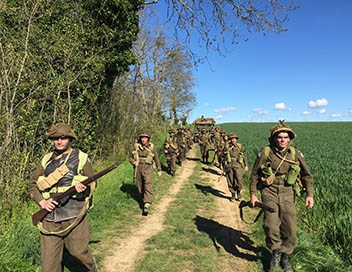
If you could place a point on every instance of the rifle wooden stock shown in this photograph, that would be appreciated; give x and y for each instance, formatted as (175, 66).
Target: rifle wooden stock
(38, 216)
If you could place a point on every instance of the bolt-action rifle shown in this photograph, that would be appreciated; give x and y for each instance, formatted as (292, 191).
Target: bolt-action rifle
(39, 215)
(260, 205)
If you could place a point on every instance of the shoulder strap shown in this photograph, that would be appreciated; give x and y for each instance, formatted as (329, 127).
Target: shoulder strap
(266, 151)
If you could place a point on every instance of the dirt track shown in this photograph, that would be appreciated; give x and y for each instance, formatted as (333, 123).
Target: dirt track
(229, 233)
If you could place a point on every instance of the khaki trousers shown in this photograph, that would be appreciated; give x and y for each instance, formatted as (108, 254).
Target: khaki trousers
(280, 226)
(234, 178)
(76, 242)
(145, 182)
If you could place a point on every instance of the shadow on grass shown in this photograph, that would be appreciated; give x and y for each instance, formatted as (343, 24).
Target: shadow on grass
(131, 190)
(227, 238)
(208, 189)
(212, 171)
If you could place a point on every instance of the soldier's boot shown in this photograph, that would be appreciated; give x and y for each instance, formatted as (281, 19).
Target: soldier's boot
(285, 263)
(238, 195)
(275, 259)
(146, 209)
(233, 197)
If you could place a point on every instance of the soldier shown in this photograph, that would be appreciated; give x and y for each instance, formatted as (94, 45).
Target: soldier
(217, 147)
(236, 160)
(142, 157)
(224, 141)
(204, 142)
(189, 138)
(182, 146)
(171, 152)
(279, 172)
(67, 224)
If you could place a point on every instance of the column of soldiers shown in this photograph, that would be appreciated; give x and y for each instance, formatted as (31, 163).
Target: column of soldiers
(176, 146)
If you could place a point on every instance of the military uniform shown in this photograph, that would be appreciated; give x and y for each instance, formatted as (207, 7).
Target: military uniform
(144, 155)
(217, 146)
(182, 146)
(236, 160)
(67, 225)
(204, 142)
(280, 226)
(171, 151)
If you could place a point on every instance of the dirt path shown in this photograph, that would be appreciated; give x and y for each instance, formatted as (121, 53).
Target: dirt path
(231, 232)
(131, 248)
(230, 237)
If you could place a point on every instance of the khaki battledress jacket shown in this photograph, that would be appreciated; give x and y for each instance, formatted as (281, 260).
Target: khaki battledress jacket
(280, 226)
(65, 226)
(146, 155)
(171, 149)
(238, 160)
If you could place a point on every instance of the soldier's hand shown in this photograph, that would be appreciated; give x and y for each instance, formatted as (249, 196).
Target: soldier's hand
(254, 200)
(309, 202)
(48, 204)
(80, 187)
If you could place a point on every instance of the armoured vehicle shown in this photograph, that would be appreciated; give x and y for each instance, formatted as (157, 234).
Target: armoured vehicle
(203, 123)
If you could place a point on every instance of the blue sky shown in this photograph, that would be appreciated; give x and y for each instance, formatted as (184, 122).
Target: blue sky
(304, 74)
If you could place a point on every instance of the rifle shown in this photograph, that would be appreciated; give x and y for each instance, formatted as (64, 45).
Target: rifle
(39, 215)
(260, 205)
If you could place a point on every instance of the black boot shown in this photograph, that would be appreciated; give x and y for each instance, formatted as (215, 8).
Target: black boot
(233, 197)
(285, 263)
(275, 259)
(238, 195)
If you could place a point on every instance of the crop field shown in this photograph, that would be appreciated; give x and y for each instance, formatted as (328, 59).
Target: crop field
(326, 146)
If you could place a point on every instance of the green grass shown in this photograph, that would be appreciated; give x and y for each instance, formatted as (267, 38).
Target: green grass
(324, 233)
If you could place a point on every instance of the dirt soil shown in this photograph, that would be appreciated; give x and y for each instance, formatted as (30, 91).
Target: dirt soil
(229, 235)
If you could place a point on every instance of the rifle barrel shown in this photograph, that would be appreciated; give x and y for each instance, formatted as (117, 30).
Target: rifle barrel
(39, 215)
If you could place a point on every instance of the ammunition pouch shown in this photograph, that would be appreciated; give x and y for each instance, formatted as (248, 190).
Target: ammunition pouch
(240, 160)
(149, 158)
(292, 174)
(268, 176)
(47, 182)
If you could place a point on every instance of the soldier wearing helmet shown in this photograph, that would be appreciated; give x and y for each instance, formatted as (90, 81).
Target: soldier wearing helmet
(236, 162)
(142, 157)
(171, 151)
(204, 145)
(281, 173)
(182, 145)
(67, 222)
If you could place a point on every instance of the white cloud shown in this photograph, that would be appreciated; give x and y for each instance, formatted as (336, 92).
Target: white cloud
(336, 115)
(218, 117)
(224, 110)
(307, 113)
(280, 106)
(323, 102)
(260, 111)
(350, 110)
(322, 111)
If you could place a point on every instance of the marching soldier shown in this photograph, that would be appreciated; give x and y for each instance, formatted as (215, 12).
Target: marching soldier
(280, 172)
(171, 151)
(142, 157)
(204, 142)
(67, 224)
(236, 161)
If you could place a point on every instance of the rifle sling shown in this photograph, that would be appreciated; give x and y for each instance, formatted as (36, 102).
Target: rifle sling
(256, 218)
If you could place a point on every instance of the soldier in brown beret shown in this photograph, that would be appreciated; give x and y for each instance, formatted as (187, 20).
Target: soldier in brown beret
(67, 223)
(280, 173)
(142, 157)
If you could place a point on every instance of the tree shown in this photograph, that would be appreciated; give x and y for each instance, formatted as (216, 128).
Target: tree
(206, 23)
(59, 60)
